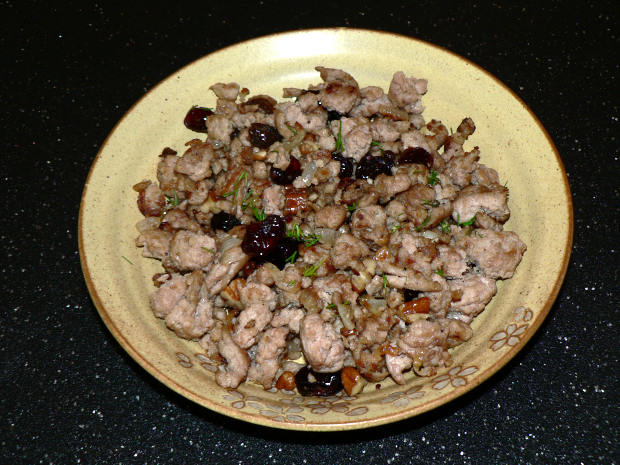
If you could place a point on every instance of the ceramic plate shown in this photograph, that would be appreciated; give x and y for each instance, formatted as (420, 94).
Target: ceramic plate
(510, 137)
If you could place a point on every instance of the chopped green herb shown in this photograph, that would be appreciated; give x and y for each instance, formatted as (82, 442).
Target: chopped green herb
(346, 302)
(332, 306)
(258, 214)
(386, 284)
(339, 144)
(292, 129)
(432, 179)
(445, 226)
(291, 258)
(295, 232)
(235, 191)
(432, 203)
(465, 223)
(395, 227)
(291, 283)
(352, 207)
(451, 131)
(378, 144)
(127, 260)
(440, 272)
(247, 200)
(424, 223)
(309, 272)
(208, 250)
(308, 239)
(173, 199)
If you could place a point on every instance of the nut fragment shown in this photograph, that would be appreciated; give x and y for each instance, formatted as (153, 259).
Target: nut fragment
(286, 381)
(352, 381)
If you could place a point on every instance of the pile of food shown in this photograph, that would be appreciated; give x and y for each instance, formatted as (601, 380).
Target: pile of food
(325, 241)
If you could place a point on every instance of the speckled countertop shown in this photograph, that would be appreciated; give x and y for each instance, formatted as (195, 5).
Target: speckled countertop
(70, 394)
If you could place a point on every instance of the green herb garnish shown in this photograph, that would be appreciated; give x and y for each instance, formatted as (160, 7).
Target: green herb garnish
(309, 272)
(351, 208)
(292, 129)
(424, 223)
(386, 284)
(235, 191)
(308, 239)
(465, 223)
(440, 272)
(395, 227)
(445, 226)
(291, 283)
(208, 249)
(432, 179)
(331, 306)
(173, 200)
(291, 258)
(127, 260)
(378, 144)
(432, 203)
(339, 144)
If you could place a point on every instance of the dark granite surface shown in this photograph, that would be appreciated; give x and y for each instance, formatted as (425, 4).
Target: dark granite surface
(69, 393)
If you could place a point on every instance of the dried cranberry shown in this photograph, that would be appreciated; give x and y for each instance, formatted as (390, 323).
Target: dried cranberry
(263, 135)
(235, 133)
(346, 165)
(283, 251)
(415, 155)
(410, 295)
(333, 115)
(370, 167)
(263, 236)
(196, 119)
(326, 384)
(287, 176)
(224, 221)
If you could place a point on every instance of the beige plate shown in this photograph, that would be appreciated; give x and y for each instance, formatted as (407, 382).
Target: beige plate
(510, 137)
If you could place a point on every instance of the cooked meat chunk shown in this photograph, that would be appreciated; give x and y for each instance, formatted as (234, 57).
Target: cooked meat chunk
(369, 223)
(228, 264)
(219, 128)
(397, 364)
(196, 161)
(226, 91)
(497, 254)
(250, 323)
(356, 136)
(490, 200)
(453, 261)
(165, 298)
(406, 91)
(347, 250)
(191, 317)
(289, 316)
(237, 362)
(191, 251)
(388, 186)
(151, 200)
(270, 348)
(273, 200)
(332, 216)
(156, 243)
(322, 345)
(475, 292)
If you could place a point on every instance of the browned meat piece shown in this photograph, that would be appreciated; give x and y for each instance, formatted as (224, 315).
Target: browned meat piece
(270, 348)
(332, 216)
(371, 364)
(196, 161)
(475, 292)
(453, 146)
(289, 316)
(484, 176)
(250, 323)
(458, 332)
(373, 330)
(226, 91)
(490, 200)
(459, 169)
(388, 186)
(165, 297)
(178, 219)
(156, 243)
(322, 345)
(497, 254)
(372, 100)
(219, 128)
(439, 134)
(253, 293)
(229, 263)
(356, 136)
(347, 250)
(401, 278)
(417, 253)
(273, 200)
(166, 174)
(192, 316)
(191, 251)
(384, 130)
(452, 261)
(413, 139)
(396, 365)
(369, 223)
(406, 91)
(237, 362)
(310, 121)
(425, 342)
(336, 75)
(151, 200)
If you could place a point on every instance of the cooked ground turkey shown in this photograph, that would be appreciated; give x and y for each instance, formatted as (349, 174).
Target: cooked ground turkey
(335, 229)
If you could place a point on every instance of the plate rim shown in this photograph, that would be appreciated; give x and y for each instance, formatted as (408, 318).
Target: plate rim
(340, 425)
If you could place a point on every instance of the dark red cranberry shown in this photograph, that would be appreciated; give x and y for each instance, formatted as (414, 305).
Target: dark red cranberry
(263, 236)
(410, 295)
(346, 165)
(287, 176)
(326, 384)
(415, 155)
(283, 251)
(224, 221)
(263, 135)
(196, 119)
(333, 115)
(235, 133)
(370, 167)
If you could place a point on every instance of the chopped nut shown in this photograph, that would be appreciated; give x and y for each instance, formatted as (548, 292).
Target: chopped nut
(286, 381)
(352, 381)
